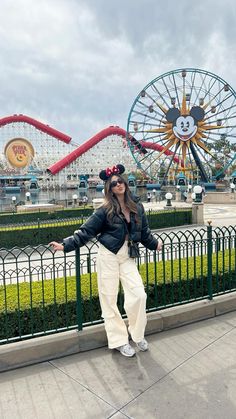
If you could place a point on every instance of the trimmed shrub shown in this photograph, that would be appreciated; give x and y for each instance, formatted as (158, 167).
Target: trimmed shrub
(169, 218)
(28, 217)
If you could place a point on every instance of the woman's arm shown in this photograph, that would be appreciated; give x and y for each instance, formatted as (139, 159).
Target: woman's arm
(147, 238)
(90, 229)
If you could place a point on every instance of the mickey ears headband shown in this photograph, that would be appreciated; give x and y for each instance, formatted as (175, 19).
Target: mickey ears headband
(115, 170)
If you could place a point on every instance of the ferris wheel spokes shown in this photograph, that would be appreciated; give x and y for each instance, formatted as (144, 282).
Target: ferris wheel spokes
(180, 118)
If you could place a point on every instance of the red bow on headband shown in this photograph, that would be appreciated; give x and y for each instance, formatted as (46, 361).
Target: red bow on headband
(112, 171)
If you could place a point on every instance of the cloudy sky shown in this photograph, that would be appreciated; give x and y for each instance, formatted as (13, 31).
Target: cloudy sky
(78, 65)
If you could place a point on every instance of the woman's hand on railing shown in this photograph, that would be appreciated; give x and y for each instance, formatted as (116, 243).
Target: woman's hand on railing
(159, 245)
(56, 246)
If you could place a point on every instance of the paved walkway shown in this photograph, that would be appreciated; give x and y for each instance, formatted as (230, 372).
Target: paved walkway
(189, 372)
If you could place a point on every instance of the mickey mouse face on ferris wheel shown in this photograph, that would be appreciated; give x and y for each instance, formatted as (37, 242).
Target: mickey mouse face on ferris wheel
(185, 126)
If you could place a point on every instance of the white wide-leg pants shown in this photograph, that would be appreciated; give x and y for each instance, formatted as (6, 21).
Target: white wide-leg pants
(111, 269)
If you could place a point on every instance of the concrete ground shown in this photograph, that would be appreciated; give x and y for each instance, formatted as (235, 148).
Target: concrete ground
(188, 372)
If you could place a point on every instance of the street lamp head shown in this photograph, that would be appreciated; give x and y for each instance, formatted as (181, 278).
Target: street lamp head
(197, 189)
(27, 194)
(232, 186)
(168, 195)
(75, 197)
(13, 199)
(178, 187)
(189, 187)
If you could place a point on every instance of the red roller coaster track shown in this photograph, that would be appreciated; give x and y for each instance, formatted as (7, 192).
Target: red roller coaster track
(39, 125)
(58, 166)
(113, 130)
(61, 164)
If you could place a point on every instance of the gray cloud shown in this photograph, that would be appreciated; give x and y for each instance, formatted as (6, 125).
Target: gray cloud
(78, 65)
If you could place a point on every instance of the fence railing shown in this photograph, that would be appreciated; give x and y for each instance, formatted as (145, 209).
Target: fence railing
(44, 292)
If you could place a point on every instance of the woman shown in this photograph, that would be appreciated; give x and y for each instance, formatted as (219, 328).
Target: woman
(120, 223)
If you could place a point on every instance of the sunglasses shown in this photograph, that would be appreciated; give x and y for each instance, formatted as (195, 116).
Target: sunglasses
(116, 182)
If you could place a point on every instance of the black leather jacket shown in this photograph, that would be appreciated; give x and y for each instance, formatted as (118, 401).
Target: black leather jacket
(112, 234)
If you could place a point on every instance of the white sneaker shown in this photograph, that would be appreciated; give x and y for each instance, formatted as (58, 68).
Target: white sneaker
(143, 345)
(126, 350)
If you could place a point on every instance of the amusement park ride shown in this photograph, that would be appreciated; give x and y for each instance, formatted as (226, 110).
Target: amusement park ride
(181, 130)
(186, 122)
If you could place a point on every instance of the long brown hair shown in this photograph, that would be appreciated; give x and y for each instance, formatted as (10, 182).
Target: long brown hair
(111, 202)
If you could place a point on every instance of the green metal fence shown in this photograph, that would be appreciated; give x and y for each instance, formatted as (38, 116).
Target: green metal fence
(43, 292)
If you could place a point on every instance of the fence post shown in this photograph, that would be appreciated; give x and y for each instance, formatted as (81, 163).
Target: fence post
(209, 260)
(88, 263)
(38, 220)
(78, 290)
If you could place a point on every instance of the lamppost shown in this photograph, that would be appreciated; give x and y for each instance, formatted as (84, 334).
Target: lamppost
(197, 205)
(13, 200)
(193, 196)
(27, 195)
(75, 197)
(232, 186)
(189, 188)
(168, 197)
(154, 194)
(178, 193)
(198, 193)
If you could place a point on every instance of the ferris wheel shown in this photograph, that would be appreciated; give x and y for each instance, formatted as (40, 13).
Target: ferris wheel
(184, 121)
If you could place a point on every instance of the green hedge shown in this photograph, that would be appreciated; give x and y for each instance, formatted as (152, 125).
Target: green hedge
(169, 218)
(27, 217)
(34, 236)
(41, 311)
